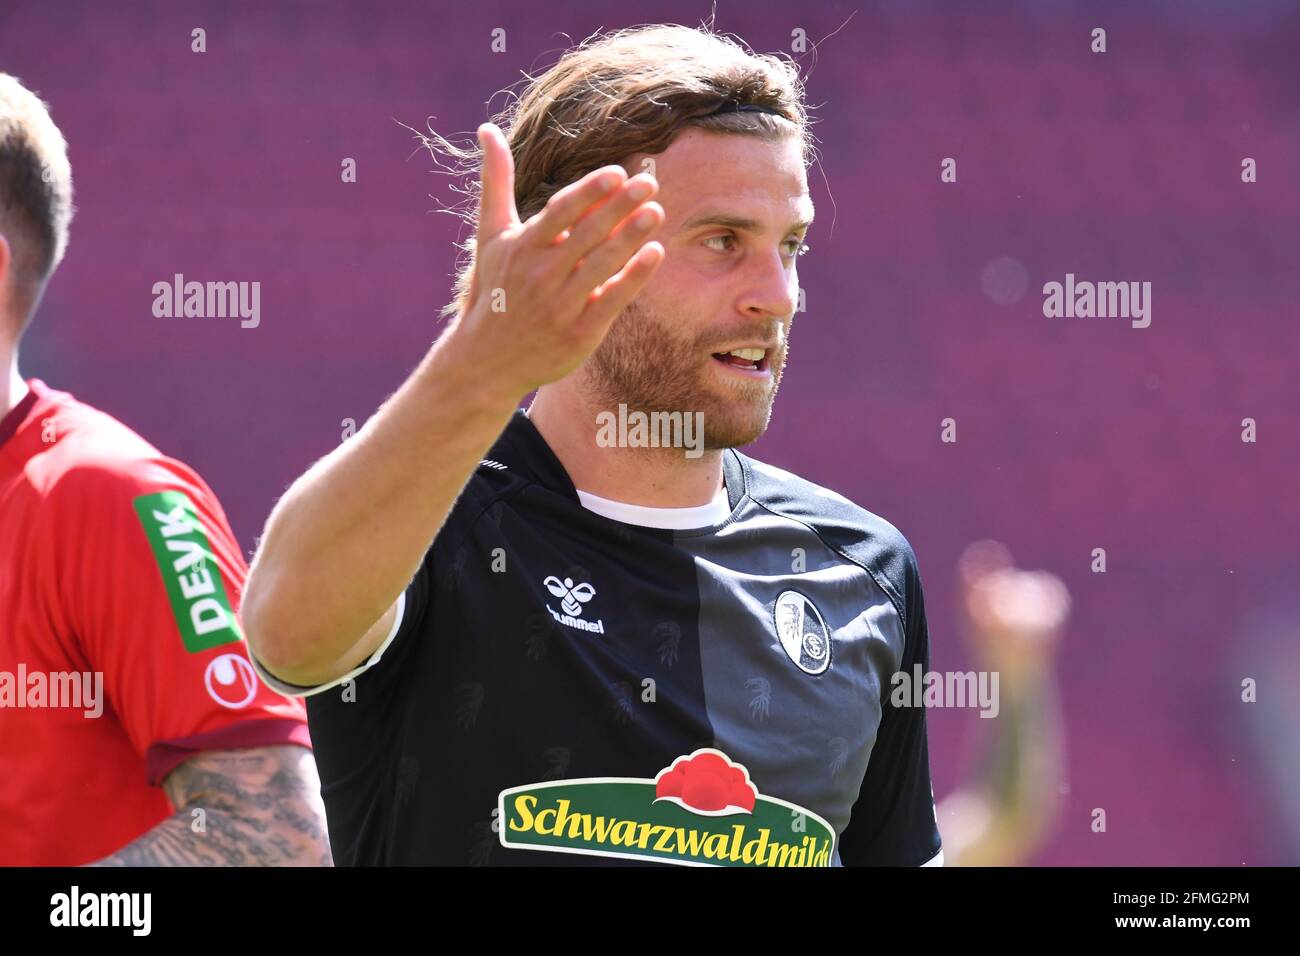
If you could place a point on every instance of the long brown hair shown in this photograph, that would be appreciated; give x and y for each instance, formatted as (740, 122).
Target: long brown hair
(619, 94)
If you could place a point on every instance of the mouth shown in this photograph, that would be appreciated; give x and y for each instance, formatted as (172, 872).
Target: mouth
(746, 361)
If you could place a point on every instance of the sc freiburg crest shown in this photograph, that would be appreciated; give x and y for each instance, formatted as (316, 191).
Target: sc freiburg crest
(803, 633)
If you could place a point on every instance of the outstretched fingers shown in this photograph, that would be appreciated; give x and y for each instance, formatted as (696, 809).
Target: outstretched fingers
(611, 298)
(570, 204)
(497, 211)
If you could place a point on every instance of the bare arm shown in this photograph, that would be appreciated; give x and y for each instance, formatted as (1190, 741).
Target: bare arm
(255, 807)
(1002, 816)
(1014, 621)
(348, 536)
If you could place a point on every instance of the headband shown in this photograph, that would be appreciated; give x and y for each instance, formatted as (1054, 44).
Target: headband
(731, 106)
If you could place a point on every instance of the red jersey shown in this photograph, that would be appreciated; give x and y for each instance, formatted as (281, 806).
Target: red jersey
(120, 652)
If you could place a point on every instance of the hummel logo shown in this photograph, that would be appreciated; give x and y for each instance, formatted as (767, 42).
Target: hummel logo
(489, 463)
(574, 596)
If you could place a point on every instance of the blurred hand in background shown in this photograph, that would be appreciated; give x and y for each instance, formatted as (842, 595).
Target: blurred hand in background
(1013, 621)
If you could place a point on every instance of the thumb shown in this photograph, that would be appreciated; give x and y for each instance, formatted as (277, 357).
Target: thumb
(496, 211)
(472, 294)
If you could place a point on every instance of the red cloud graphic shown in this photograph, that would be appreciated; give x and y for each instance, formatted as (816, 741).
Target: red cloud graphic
(707, 781)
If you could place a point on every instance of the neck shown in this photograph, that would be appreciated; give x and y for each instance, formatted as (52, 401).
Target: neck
(12, 387)
(652, 477)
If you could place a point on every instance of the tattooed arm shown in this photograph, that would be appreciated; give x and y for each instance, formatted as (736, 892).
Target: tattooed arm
(260, 807)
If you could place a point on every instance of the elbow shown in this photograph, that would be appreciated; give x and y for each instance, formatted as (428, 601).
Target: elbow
(266, 627)
(280, 633)
(252, 616)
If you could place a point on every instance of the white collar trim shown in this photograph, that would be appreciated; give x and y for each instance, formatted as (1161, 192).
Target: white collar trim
(669, 519)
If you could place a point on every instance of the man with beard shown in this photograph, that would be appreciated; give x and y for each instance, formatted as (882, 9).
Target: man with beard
(514, 638)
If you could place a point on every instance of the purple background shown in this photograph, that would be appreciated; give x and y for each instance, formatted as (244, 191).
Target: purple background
(1072, 433)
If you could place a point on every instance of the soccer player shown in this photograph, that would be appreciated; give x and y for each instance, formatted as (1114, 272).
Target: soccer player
(527, 638)
(133, 730)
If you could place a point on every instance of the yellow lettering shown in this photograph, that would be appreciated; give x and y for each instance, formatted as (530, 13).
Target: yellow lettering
(756, 849)
(622, 832)
(715, 845)
(524, 804)
(597, 825)
(665, 834)
(563, 818)
(688, 841)
(779, 854)
(644, 838)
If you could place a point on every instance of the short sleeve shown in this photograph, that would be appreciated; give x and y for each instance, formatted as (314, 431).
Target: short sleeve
(155, 578)
(353, 716)
(893, 822)
(412, 606)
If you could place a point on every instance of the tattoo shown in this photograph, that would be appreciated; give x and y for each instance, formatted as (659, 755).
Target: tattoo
(257, 807)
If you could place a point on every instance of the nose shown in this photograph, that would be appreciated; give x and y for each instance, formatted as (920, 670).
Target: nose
(771, 289)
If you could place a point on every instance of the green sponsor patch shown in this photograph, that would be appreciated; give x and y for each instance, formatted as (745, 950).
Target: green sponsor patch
(643, 819)
(189, 570)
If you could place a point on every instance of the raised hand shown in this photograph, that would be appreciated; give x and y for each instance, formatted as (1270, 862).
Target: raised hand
(545, 292)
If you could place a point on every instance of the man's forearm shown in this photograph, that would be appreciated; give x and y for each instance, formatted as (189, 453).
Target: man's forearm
(1019, 769)
(347, 537)
(227, 839)
(999, 819)
(254, 807)
(345, 540)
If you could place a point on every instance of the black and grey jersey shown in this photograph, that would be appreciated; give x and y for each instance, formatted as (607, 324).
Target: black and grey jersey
(563, 688)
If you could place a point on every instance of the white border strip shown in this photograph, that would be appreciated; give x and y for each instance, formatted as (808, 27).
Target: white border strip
(293, 690)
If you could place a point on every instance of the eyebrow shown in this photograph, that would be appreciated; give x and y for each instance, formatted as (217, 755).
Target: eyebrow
(739, 223)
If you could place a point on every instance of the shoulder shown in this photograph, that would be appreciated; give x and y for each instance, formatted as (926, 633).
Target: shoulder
(490, 485)
(861, 536)
(97, 469)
